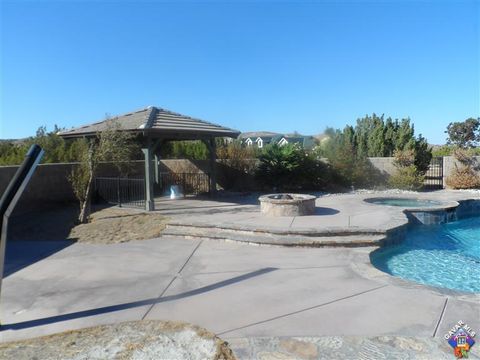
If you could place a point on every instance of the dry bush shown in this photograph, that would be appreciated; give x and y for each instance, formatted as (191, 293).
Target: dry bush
(464, 176)
(404, 158)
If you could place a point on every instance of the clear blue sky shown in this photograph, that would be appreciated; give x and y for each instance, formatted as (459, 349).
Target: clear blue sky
(279, 66)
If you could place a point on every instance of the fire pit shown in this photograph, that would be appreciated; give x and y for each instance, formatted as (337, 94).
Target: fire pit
(287, 204)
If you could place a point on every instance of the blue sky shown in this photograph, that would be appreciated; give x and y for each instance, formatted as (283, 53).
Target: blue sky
(279, 66)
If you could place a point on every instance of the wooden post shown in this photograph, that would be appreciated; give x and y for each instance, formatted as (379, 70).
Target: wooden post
(149, 197)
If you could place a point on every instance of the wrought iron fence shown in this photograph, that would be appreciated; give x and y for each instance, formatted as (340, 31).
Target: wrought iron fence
(128, 192)
(434, 174)
(191, 183)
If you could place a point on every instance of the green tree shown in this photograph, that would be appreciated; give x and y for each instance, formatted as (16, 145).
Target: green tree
(56, 148)
(186, 149)
(464, 134)
(389, 137)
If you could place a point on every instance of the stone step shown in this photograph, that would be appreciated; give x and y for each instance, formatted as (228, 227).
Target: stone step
(265, 238)
(259, 230)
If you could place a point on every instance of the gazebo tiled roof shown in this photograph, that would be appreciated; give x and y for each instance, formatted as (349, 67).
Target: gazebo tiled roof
(157, 122)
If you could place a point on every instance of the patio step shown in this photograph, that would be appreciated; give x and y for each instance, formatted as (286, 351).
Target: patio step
(282, 238)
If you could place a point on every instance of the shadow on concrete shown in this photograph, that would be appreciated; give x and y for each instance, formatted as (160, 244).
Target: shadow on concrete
(35, 235)
(49, 224)
(20, 254)
(130, 305)
(325, 211)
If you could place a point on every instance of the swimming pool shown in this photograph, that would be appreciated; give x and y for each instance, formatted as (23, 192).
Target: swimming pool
(404, 202)
(446, 256)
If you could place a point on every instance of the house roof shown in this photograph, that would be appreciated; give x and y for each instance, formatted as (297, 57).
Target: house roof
(306, 141)
(156, 122)
(256, 134)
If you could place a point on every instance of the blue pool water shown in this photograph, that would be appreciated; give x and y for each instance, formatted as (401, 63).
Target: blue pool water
(404, 202)
(446, 256)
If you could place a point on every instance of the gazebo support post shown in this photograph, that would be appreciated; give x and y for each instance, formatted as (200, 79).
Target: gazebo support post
(149, 197)
(155, 168)
(212, 150)
(155, 150)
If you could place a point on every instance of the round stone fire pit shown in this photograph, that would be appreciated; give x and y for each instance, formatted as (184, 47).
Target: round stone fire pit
(287, 204)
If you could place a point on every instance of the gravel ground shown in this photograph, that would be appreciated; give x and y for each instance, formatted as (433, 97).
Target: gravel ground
(107, 225)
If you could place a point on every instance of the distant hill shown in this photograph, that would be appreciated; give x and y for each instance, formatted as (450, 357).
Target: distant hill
(13, 141)
(255, 134)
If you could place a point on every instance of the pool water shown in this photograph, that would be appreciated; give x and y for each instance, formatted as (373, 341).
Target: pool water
(405, 202)
(446, 256)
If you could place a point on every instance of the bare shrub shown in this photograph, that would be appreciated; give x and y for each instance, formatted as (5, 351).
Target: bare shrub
(112, 145)
(465, 175)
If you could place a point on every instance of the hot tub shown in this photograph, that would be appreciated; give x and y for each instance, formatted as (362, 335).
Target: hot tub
(421, 211)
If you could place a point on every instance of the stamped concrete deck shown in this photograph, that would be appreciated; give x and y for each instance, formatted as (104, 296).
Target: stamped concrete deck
(238, 291)
(339, 220)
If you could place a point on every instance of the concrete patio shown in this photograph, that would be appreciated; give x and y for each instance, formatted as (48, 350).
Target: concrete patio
(238, 291)
(234, 290)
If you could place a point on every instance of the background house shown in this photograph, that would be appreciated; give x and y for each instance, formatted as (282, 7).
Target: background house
(259, 138)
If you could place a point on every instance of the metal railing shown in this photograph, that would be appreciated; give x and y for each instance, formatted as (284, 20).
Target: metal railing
(127, 192)
(191, 183)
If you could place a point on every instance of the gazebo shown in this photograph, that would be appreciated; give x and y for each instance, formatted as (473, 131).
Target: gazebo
(154, 126)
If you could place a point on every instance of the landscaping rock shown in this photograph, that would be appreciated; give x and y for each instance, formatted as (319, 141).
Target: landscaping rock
(136, 340)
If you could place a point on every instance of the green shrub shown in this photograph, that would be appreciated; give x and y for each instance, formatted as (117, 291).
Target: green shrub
(407, 178)
(239, 165)
(290, 167)
(348, 166)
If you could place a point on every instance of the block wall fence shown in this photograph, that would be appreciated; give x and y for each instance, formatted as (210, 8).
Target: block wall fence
(49, 184)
